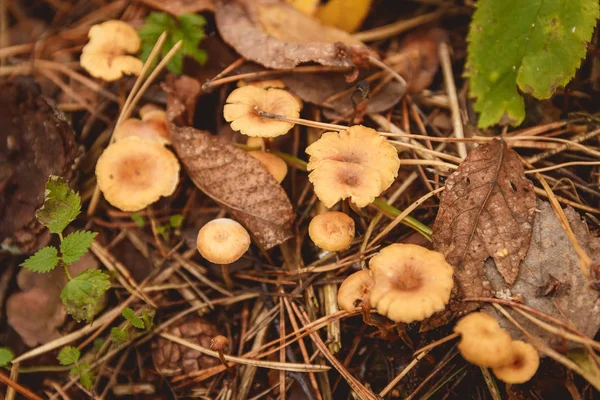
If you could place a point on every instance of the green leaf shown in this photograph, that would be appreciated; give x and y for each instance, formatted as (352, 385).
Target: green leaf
(119, 336)
(44, 260)
(535, 46)
(68, 355)
(134, 320)
(83, 293)
(138, 219)
(6, 356)
(86, 376)
(148, 317)
(61, 206)
(128, 313)
(176, 220)
(75, 245)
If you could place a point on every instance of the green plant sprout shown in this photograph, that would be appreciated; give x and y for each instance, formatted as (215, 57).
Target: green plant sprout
(82, 293)
(6, 356)
(173, 226)
(120, 335)
(186, 27)
(69, 356)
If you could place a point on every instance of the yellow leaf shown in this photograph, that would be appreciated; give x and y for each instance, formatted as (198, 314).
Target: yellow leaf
(308, 7)
(347, 15)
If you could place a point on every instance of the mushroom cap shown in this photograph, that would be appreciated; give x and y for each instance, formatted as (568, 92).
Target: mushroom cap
(222, 241)
(105, 55)
(244, 103)
(354, 289)
(522, 366)
(483, 342)
(336, 180)
(411, 282)
(368, 158)
(331, 230)
(264, 84)
(133, 173)
(151, 128)
(148, 110)
(275, 165)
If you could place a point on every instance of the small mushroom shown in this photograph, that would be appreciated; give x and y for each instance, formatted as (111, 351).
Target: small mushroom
(357, 163)
(256, 143)
(219, 343)
(522, 366)
(134, 173)
(332, 230)
(411, 282)
(483, 342)
(223, 241)
(153, 125)
(275, 165)
(355, 290)
(243, 106)
(106, 56)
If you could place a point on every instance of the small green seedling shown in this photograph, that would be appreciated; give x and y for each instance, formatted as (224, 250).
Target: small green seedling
(186, 27)
(69, 356)
(120, 335)
(6, 356)
(82, 294)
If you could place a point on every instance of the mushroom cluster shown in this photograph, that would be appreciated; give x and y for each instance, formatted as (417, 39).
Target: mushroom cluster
(137, 169)
(405, 282)
(106, 55)
(357, 163)
(244, 105)
(484, 343)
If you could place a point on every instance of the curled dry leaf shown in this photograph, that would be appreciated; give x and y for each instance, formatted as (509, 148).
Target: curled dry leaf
(234, 179)
(36, 312)
(487, 210)
(417, 61)
(550, 278)
(36, 142)
(276, 35)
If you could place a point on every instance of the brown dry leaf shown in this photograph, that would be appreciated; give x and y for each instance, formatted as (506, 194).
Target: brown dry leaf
(276, 35)
(36, 141)
(178, 7)
(416, 60)
(227, 174)
(550, 279)
(487, 210)
(37, 312)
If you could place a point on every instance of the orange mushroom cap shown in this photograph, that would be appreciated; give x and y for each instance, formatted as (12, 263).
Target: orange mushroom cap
(355, 289)
(332, 230)
(275, 165)
(106, 56)
(222, 241)
(411, 282)
(243, 105)
(522, 366)
(357, 163)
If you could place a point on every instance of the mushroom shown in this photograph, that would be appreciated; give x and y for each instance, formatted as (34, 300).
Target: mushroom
(243, 106)
(105, 55)
(522, 366)
(411, 282)
(275, 165)
(256, 143)
(483, 342)
(223, 241)
(331, 230)
(355, 290)
(134, 173)
(357, 163)
(153, 125)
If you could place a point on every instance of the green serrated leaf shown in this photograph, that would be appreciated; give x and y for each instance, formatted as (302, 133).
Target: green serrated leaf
(535, 46)
(68, 355)
(86, 376)
(83, 293)
(128, 313)
(6, 356)
(137, 322)
(44, 260)
(119, 336)
(75, 245)
(138, 219)
(148, 317)
(61, 205)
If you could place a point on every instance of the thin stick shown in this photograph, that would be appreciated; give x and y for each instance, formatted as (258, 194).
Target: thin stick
(384, 67)
(294, 367)
(302, 121)
(437, 343)
(21, 389)
(402, 374)
(396, 28)
(444, 53)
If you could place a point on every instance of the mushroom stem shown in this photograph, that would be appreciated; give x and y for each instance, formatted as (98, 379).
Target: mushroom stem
(226, 276)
